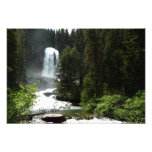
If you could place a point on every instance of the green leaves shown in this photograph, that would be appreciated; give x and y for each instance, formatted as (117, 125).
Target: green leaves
(107, 104)
(19, 102)
(135, 107)
(16, 57)
(118, 107)
(68, 75)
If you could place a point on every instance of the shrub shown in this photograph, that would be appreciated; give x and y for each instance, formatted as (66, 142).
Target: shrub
(90, 105)
(133, 109)
(107, 104)
(120, 114)
(19, 102)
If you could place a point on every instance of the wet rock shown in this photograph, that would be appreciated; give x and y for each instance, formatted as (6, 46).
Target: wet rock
(47, 94)
(55, 118)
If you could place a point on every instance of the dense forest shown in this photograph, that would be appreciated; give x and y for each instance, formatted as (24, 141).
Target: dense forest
(103, 70)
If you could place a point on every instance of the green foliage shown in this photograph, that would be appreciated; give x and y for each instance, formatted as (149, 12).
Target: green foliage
(68, 75)
(123, 59)
(135, 108)
(107, 104)
(88, 89)
(90, 105)
(15, 58)
(61, 39)
(118, 107)
(68, 65)
(77, 41)
(122, 108)
(92, 82)
(115, 61)
(133, 61)
(19, 102)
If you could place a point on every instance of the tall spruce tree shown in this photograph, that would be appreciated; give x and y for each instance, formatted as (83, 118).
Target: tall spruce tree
(112, 41)
(68, 75)
(93, 81)
(134, 60)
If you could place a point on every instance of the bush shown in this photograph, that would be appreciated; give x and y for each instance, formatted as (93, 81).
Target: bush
(19, 102)
(120, 114)
(90, 105)
(107, 104)
(118, 107)
(133, 109)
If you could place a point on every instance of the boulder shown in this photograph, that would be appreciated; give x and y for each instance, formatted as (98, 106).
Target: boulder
(47, 94)
(55, 118)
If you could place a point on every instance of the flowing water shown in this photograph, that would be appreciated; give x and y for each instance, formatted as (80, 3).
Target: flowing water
(50, 58)
(47, 102)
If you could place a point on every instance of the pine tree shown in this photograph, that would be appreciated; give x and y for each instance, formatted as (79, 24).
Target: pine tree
(12, 59)
(134, 60)
(16, 58)
(68, 75)
(93, 81)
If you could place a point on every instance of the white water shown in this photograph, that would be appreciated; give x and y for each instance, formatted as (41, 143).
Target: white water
(49, 66)
(49, 103)
(92, 121)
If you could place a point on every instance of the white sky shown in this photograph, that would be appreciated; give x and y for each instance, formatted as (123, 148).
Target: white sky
(69, 29)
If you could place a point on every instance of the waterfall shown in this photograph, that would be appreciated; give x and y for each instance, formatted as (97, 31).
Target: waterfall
(49, 65)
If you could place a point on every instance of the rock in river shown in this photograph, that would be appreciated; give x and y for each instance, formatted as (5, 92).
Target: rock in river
(55, 118)
(47, 94)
